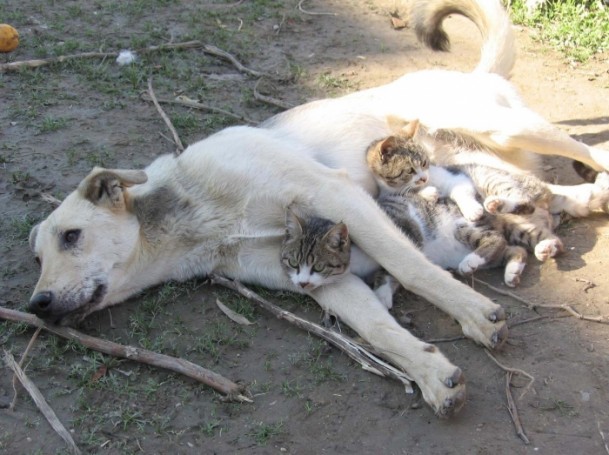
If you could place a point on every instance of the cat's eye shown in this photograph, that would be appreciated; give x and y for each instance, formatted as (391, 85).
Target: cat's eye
(293, 263)
(318, 268)
(424, 164)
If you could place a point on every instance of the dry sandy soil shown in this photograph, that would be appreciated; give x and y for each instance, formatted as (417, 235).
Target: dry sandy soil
(59, 121)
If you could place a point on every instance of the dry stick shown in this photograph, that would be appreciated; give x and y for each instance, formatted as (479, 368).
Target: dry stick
(178, 365)
(532, 306)
(270, 100)
(312, 13)
(21, 361)
(213, 50)
(183, 101)
(46, 410)
(368, 361)
(174, 133)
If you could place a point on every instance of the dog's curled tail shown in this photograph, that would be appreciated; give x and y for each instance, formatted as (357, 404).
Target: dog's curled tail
(498, 50)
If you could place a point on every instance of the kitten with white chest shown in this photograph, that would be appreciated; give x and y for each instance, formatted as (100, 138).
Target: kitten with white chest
(315, 251)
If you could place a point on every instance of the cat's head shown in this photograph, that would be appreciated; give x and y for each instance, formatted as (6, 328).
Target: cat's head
(315, 251)
(398, 162)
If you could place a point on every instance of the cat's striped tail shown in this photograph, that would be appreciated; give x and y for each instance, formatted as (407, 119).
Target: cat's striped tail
(498, 52)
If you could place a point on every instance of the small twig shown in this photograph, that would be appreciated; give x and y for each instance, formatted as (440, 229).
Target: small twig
(513, 409)
(174, 133)
(21, 362)
(213, 50)
(513, 370)
(568, 308)
(46, 410)
(312, 13)
(446, 340)
(178, 365)
(50, 199)
(525, 321)
(598, 425)
(354, 350)
(589, 284)
(270, 100)
(185, 101)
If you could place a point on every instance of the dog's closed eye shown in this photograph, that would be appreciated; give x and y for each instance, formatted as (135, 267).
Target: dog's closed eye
(70, 238)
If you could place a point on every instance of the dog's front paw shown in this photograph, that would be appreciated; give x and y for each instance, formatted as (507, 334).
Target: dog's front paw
(487, 328)
(444, 385)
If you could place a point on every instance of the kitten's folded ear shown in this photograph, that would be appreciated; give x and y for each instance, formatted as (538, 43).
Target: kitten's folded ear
(402, 127)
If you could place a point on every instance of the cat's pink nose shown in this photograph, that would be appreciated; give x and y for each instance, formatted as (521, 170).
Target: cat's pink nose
(422, 180)
(304, 284)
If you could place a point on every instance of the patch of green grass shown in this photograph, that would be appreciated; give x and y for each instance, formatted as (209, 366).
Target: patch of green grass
(578, 28)
(292, 388)
(263, 432)
(50, 124)
(19, 227)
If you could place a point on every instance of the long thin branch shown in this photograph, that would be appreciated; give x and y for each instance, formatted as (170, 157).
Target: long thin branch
(207, 48)
(203, 375)
(367, 360)
(174, 133)
(568, 308)
(312, 13)
(187, 102)
(46, 410)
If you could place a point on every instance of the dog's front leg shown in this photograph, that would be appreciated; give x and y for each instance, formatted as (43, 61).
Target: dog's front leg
(371, 229)
(441, 383)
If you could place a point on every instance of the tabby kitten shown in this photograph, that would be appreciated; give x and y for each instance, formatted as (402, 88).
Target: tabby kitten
(315, 251)
(512, 197)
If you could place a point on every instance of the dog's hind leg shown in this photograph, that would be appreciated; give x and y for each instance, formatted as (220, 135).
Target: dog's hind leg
(441, 383)
(508, 128)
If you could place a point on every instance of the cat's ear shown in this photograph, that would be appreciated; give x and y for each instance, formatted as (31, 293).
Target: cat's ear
(387, 147)
(293, 224)
(411, 129)
(338, 237)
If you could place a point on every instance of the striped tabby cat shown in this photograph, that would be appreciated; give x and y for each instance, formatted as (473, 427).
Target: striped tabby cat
(315, 251)
(520, 202)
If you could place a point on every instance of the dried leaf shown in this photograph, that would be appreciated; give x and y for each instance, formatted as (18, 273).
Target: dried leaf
(101, 372)
(236, 317)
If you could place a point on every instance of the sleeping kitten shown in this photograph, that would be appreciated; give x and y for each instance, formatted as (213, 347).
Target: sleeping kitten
(449, 240)
(315, 251)
(395, 161)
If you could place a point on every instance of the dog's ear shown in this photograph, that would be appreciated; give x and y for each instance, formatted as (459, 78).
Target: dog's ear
(106, 187)
(32, 238)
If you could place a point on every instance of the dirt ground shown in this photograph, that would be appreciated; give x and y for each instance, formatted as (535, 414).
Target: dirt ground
(59, 121)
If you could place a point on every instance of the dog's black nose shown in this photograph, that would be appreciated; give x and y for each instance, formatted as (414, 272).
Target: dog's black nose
(40, 304)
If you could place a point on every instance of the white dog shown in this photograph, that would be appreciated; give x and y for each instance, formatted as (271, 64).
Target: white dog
(220, 206)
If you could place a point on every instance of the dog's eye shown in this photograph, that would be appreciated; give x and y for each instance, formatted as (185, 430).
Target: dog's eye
(38, 261)
(71, 237)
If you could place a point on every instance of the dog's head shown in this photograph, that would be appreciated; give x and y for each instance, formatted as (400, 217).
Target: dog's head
(85, 246)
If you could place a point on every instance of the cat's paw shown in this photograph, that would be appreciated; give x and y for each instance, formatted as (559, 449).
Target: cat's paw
(430, 194)
(493, 204)
(385, 294)
(512, 274)
(548, 248)
(472, 211)
(470, 264)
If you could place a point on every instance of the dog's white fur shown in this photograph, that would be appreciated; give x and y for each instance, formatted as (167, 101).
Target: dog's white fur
(220, 206)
